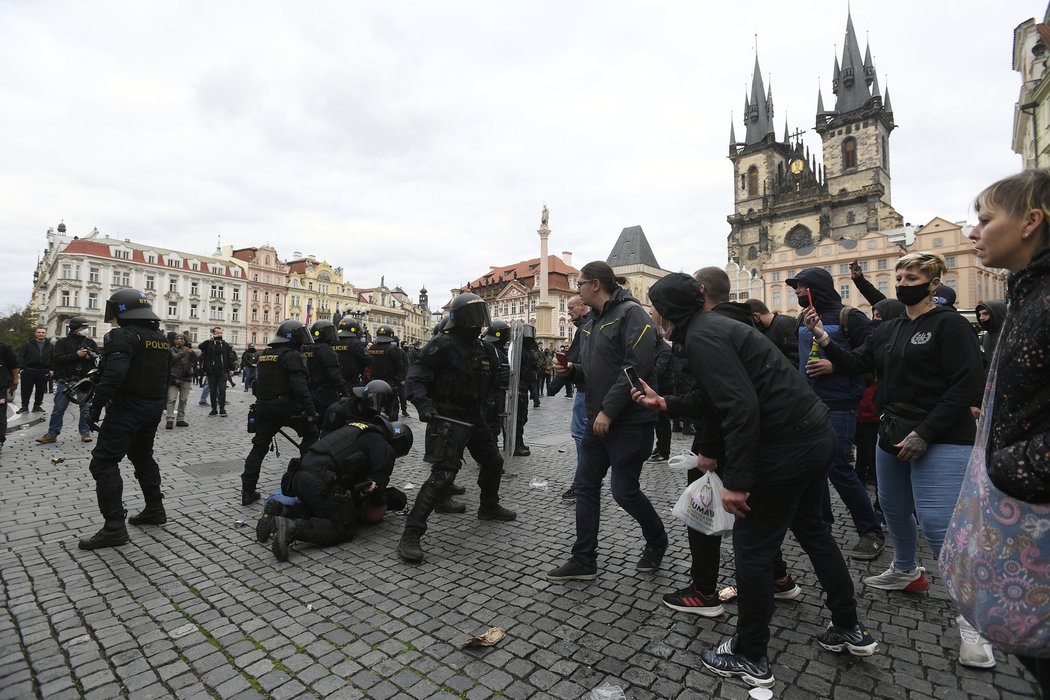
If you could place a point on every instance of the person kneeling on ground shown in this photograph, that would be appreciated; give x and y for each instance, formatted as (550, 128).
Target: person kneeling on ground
(340, 480)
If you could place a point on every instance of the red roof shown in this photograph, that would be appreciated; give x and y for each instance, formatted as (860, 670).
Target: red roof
(525, 271)
(85, 247)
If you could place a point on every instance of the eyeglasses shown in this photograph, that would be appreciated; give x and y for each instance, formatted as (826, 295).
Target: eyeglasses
(580, 283)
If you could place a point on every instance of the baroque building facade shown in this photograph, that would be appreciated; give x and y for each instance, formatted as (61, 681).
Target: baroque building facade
(267, 280)
(782, 195)
(1031, 128)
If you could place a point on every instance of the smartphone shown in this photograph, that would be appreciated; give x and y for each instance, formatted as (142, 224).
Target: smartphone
(633, 378)
(561, 359)
(854, 266)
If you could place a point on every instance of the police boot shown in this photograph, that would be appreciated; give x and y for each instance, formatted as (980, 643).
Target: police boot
(113, 534)
(450, 505)
(490, 509)
(457, 490)
(249, 494)
(152, 514)
(267, 522)
(285, 533)
(433, 491)
(409, 547)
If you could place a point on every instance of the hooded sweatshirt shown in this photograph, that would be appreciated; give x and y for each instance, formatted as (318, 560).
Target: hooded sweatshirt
(752, 389)
(991, 327)
(932, 363)
(839, 391)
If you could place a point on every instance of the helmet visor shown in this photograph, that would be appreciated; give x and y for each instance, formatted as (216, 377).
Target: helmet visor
(474, 314)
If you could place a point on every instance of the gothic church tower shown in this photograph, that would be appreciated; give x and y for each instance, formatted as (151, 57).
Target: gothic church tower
(782, 195)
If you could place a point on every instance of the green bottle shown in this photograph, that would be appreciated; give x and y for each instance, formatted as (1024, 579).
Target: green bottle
(814, 350)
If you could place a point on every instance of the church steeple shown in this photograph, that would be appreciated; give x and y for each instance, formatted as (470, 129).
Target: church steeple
(732, 137)
(758, 110)
(852, 76)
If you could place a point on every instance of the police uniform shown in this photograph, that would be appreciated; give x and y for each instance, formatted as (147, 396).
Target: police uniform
(497, 399)
(528, 371)
(133, 389)
(283, 400)
(388, 366)
(325, 377)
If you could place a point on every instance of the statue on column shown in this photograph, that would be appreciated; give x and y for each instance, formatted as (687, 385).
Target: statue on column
(545, 216)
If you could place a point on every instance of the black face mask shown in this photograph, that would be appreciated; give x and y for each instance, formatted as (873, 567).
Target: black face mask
(803, 300)
(912, 294)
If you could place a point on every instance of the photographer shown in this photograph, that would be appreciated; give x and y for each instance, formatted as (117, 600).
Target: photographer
(74, 356)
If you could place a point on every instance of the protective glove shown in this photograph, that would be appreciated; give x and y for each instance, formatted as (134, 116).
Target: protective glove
(426, 413)
(94, 417)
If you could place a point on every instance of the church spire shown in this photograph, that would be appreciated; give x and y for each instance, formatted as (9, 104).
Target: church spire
(732, 136)
(869, 67)
(759, 115)
(853, 91)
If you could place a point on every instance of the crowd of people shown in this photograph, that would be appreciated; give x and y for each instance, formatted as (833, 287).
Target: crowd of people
(951, 426)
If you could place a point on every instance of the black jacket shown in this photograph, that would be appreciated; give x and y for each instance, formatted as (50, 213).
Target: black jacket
(8, 365)
(751, 389)
(934, 364)
(783, 332)
(66, 364)
(35, 357)
(621, 336)
(991, 327)
(217, 356)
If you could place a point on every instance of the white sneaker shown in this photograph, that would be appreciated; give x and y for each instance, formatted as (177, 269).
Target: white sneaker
(893, 580)
(974, 650)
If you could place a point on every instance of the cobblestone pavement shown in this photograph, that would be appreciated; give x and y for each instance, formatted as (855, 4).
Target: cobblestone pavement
(197, 608)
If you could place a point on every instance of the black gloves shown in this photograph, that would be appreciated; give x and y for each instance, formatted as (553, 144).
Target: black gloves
(426, 413)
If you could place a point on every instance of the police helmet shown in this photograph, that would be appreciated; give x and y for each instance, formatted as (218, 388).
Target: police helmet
(441, 326)
(384, 334)
(398, 434)
(76, 323)
(349, 328)
(375, 395)
(129, 305)
(293, 333)
(324, 332)
(468, 311)
(498, 332)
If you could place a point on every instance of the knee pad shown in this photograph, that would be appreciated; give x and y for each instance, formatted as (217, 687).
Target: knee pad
(442, 478)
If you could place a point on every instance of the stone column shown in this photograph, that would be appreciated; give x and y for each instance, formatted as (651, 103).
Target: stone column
(545, 328)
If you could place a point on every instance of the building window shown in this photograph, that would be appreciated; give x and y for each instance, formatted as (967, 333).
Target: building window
(266, 297)
(255, 295)
(883, 264)
(266, 315)
(864, 264)
(151, 259)
(216, 313)
(938, 242)
(94, 275)
(174, 263)
(235, 337)
(67, 271)
(236, 293)
(63, 298)
(121, 279)
(194, 314)
(92, 300)
(194, 289)
(255, 337)
(884, 286)
(752, 181)
(122, 254)
(826, 250)
(885, 154)
(151, 283)
(193, 335)
(195, 267)
(235, 315)
(277, 298)
(173, 285)
(218, 291)
(776, 299)
(849, 153)
(255, 314)
(844, 269)
(851, 217)
(173, 308)
(844, 291)
(776, 276)
(950, 259)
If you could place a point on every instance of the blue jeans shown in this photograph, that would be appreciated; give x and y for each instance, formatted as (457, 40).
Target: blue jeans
(205, 393)
(59, 411)
(624, 449)
(248, 375)
(578, 426)
(845, 480)
(929, 487)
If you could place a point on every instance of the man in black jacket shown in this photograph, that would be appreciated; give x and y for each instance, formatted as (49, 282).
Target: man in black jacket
(36, 363)
(8, 383)
(74, 356)
(778, 446)
(782, 331)
(219, 360)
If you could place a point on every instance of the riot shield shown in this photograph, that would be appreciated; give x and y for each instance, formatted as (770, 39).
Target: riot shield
(509, 412)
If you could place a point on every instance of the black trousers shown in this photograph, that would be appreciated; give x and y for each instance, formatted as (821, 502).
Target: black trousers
(663, 434)
(329, 518)
(217, 390)
(789, 496)
(128, 429)
(33, 380)
(522, 418)
(1040, 669)
(270, 417)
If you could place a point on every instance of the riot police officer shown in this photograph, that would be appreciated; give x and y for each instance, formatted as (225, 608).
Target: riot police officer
(353, 358)
(341, 480)
(283, 399)
(133, 390)
(362, 405)
(528, 374)
(497, 335)
(451, 380)
(325, 375)
(386, 363)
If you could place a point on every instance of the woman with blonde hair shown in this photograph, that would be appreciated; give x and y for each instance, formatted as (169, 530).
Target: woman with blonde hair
(996, 556)
(929, 367)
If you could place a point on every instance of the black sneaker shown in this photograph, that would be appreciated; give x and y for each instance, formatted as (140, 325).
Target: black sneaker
(22, 410)
(222, 413)
(112, 534)
(570, 494)
(249, 497)
(573, 572)
(496, 512)
(786, 589)
(267, 522)
(169, 425)
(38, 409)
(522, 451)
(213, 412)
(725, 662)
(656, 458)
(651, 558)
(181, 424)
(856, 640)
(869, 547)
(691, 600)
(284, 535)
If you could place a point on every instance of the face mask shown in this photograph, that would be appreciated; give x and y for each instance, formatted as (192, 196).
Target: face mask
(803, 300)
(912, 294)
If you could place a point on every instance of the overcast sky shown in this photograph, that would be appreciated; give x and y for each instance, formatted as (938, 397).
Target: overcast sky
(419, 140)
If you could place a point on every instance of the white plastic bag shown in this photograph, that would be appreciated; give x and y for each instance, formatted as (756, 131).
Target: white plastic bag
(700, 506)
(682, 462)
